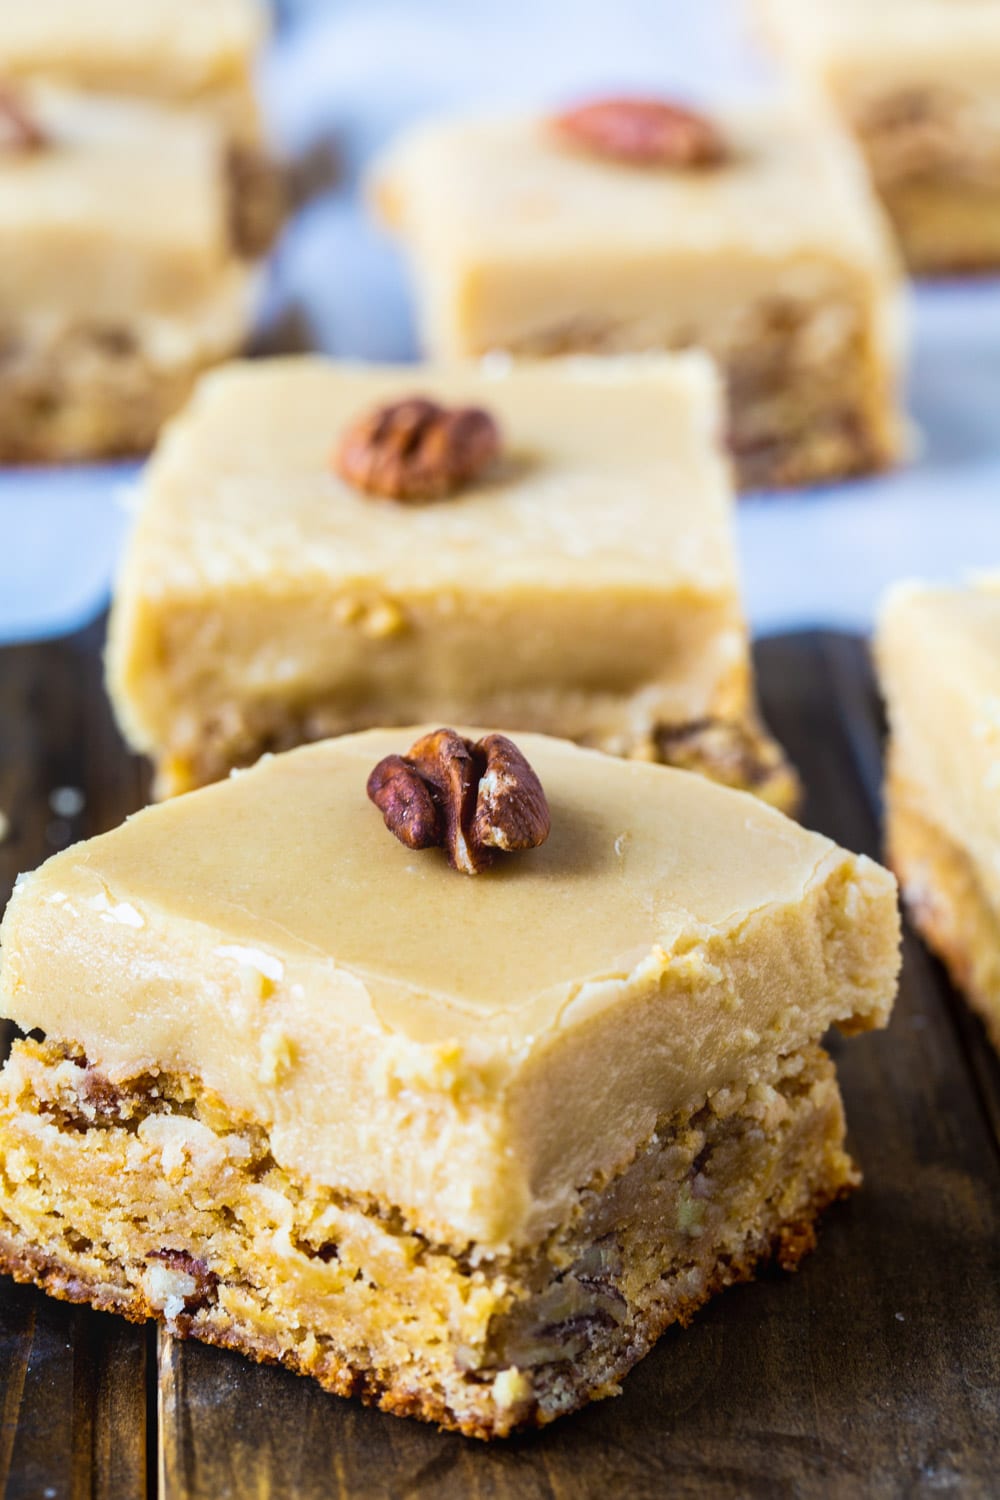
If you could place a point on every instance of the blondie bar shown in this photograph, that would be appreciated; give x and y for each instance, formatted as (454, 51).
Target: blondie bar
(919, 83)
(136, 194)
(294, 574)
(461, 1145)
(633, 224)
(939, 655)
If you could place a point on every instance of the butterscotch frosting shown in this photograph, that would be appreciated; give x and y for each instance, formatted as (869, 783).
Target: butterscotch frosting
(469, 1050)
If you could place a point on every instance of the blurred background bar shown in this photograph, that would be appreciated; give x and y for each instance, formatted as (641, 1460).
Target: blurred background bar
(341, 78)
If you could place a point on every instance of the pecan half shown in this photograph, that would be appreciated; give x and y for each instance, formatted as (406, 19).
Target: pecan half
(417, 449)
(643, 132)
(19, 131)
(472, 800)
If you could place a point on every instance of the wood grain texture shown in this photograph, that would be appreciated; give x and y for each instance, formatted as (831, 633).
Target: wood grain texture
(873, 1371)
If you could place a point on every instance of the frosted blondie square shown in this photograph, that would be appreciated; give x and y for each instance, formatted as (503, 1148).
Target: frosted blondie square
(584, 584)
(939, 659)
(460, 1145)
(136, 193)
(919, 83)
(121, 273)
(634, 225)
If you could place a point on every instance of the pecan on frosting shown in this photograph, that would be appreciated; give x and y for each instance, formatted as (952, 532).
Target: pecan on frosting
(474, 800)
(643, 133)
(416, 449)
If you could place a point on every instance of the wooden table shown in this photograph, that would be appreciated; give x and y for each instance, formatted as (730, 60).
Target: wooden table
(875, 1371)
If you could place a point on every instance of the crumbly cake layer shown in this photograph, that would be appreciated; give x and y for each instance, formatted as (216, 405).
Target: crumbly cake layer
(945, 898)
(934, 152)
(735, 753)
(149, 1197)
(807, 398)
(88, 393)
(918, 83)
(84, 391)
(930, 133)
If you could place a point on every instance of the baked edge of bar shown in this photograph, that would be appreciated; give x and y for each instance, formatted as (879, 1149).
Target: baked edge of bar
(944, 900)
(804, 1171)
(750, 759)
(786, 1247)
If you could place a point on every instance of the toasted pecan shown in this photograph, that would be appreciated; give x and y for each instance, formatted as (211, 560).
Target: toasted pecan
(417, 449)
(643, 132)
(473, 800)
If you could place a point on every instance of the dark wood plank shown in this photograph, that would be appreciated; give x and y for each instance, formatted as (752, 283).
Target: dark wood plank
(74, 1404)
(72, 1382)
(874, 1371)
(57, 734)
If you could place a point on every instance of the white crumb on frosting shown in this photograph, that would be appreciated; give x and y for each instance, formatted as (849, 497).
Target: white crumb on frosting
(57, 898)
(252, 958)
(122, 912)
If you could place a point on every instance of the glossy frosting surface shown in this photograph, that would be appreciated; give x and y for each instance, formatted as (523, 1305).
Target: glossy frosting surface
(469, 1049)
(637, 857)
(500, 187)
(610, 472)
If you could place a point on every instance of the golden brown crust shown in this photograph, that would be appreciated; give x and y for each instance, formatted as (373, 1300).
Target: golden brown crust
(739, 754)
(90, 393)
(785, 1247)
(945, 902)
